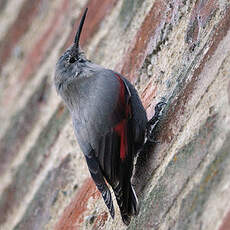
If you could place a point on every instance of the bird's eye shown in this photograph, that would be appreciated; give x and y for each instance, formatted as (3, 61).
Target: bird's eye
(72, 60)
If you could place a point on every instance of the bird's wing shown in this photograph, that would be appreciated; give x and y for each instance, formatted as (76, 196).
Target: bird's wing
(139, 117)
(103, 119)
(105, 126)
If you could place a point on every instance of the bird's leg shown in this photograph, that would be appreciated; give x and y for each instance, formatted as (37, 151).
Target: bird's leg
(152, 123)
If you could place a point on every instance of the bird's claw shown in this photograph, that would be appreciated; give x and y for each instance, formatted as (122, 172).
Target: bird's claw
(152, 140)
(152, 123)
(158, 113)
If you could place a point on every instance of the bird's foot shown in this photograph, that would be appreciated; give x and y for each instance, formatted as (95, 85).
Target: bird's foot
(152, 123)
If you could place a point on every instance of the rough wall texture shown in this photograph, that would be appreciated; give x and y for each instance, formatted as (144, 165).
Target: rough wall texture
(176, 49)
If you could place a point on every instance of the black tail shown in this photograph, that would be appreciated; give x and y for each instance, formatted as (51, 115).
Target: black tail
(127, 201)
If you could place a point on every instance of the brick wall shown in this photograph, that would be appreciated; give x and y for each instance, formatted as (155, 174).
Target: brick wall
(179, 50)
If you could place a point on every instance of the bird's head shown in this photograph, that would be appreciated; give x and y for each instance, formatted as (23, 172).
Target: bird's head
(68, 65)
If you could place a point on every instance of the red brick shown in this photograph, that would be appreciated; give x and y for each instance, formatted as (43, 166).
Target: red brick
(100, 220)
(72, 217)
(148, 94)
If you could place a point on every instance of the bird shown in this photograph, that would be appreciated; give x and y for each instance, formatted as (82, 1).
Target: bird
(109, 122)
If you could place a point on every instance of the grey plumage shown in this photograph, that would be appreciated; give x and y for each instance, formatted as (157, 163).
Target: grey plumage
(109, 122)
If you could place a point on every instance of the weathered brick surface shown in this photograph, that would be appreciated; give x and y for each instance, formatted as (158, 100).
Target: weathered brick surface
(38, 212)
(73, 215)
(32, 165)
(176, 50)
(22, 23)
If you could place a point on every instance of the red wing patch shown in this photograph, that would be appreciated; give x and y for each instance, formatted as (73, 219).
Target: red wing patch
(121, 128)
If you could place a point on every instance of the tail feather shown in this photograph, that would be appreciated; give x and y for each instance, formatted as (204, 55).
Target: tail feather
(108, 201)
(127, 202)
(134, 204)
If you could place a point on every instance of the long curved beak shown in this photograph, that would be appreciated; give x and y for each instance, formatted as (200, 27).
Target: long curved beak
(78, 34)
